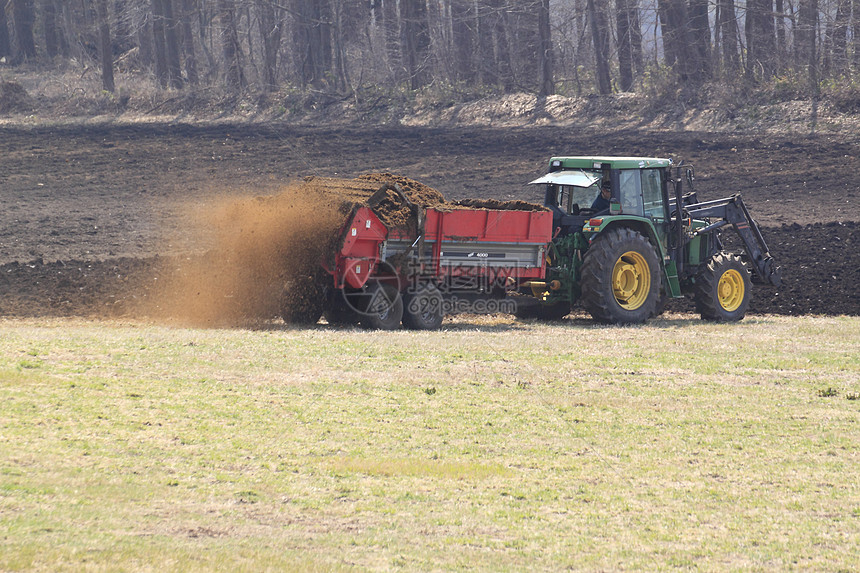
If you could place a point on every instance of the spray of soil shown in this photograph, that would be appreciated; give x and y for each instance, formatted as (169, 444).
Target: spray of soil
(244, 261)
(260, 245)
(266, 252)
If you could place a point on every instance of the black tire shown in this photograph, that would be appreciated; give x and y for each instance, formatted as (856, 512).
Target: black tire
(662, 304)
(302, 301)
(423, 309)
(555, 311)
(528, 307)
(382, 308)
(723, 289)
(621, 277)
(338, 312)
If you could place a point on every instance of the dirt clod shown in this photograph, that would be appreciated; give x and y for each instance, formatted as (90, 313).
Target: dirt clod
(14, 98)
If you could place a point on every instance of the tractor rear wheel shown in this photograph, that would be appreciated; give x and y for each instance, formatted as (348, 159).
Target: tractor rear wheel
(722, 290)
(621, 277)
(423, 309)
(383, 307)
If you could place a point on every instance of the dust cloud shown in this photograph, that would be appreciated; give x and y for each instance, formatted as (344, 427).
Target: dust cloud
(257, 248)
(266, 252)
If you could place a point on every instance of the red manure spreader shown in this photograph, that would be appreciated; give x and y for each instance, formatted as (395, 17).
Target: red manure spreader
(614, 234)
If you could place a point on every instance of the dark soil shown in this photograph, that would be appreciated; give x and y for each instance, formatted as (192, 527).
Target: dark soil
(92, 216)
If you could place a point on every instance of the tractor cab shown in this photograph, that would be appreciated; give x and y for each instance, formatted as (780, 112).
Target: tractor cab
(638, 189)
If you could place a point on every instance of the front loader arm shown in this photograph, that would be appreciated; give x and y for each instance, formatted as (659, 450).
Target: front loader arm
(732, 211)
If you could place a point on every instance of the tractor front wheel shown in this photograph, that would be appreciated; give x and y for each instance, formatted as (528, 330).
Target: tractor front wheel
(621, 277)
(722, 290)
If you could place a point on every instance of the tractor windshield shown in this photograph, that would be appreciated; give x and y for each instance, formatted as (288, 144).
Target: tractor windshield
(574, 189)
(572, 199)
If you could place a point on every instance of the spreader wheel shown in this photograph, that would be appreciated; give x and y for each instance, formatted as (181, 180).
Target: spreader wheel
(339, 312)
(722, 291)
(382, 308)
(423, 309)
(621, 277)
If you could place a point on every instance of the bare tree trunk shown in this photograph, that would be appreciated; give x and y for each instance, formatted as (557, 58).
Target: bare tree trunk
(159, 43)
(840, 37)
(143, 35)
(664, 8)
(807, 22)
(437, 48)
(338, 35)
(464, 28)
(413, 14)
(49, 25)
(625, 48)
(5, 43)
(781, 46)
(318, 54)
(235, 75)
(827, 48)
(807, 55)
(677, 35)
(207, 17)
(766, 36)
(635, 35)
(270, 32)
(855, 32)
(700, 40)
(488, 69)
(244, 12)
(546, 85)
(600, 36)
(22, 16)
(751, 39)
(171, 43)
(729, 36)
(123, 38)
(188, 44)
(391, 34)
(105, 50)
(674, 23)
(502, 45)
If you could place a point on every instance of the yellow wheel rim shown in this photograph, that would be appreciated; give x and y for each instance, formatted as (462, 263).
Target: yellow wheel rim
(730, 290)
(631, 280)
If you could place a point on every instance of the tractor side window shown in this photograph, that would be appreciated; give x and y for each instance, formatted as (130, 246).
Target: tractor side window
(652, 194)
(630, 186)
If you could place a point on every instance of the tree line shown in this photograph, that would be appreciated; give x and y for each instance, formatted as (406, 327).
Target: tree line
(341, 46)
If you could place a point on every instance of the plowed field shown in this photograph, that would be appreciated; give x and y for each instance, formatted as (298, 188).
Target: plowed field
(92, 216)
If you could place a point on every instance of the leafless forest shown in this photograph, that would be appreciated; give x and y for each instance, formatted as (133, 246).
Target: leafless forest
(351, 47)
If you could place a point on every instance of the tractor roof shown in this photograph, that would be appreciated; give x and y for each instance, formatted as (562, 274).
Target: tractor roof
(597, 162)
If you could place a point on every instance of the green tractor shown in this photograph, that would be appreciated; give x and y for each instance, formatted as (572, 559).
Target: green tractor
(628, 239)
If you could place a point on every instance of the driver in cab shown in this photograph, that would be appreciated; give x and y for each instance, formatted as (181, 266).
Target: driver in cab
(601, 203)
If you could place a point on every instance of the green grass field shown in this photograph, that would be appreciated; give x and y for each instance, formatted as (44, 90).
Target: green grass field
(492, 445)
